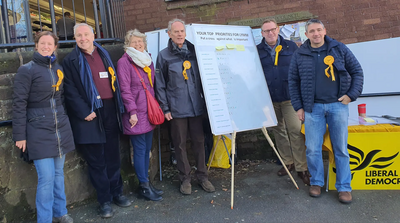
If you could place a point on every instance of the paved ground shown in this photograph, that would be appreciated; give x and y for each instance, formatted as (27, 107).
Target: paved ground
(260, 196)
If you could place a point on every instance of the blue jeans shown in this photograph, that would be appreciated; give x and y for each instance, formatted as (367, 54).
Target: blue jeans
(336, 116)
(141, 154)
(50, 195)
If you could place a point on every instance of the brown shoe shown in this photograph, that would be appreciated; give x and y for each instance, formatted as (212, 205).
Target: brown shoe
(315, 191)
(186, 188)
(305, 176)
(345, 197)
(207, 186)
(282, 171)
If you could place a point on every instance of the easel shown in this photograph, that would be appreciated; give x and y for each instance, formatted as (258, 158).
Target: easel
(264, 130)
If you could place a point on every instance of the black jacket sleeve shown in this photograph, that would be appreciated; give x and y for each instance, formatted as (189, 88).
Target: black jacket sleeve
(75, 102)
(22, 87)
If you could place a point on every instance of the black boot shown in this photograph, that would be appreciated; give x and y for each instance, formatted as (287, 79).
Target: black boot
(146, 192)
(155, 190)
(106, 210)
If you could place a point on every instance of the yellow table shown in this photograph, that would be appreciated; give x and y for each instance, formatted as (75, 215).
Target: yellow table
(374, 157)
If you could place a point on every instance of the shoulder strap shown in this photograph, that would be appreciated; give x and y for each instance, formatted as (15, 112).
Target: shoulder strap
(140, 77)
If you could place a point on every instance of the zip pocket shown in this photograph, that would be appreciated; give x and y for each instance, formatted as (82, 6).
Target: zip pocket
(36, 118)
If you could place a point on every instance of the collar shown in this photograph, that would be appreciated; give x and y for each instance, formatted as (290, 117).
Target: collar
(91, 53)
(44, 60)
(330, 42)
(278, 41)
(176, 48)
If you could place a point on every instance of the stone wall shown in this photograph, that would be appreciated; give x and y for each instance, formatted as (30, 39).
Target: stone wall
(348, 21)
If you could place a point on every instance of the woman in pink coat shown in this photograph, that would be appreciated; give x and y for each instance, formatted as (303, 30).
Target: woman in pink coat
(135, 120)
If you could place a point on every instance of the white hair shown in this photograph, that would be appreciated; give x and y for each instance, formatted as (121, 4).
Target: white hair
(135, 33)
(173, 21)
(82, 24)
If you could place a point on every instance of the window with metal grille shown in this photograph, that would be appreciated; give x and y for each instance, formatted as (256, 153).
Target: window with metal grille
(21, 19)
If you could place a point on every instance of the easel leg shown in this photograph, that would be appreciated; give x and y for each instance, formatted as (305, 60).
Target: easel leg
(233, 167)
(226, 148)
(212, 157)
(264, 130)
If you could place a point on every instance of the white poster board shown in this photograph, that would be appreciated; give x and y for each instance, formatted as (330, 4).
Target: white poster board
(380, 62)
(234, 85)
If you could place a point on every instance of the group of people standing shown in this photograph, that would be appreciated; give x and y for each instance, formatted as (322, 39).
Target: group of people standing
(87, 102)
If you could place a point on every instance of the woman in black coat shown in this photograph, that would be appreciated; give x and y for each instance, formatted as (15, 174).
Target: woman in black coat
(41, 126)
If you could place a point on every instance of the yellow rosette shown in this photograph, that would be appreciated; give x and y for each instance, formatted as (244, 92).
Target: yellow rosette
(113, 78)
(148, 71)
(328, 60)
(277, 50)
(186, 65)
(60, 79)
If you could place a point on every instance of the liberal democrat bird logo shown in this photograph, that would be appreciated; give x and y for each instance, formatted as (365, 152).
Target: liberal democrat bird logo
(360, 161)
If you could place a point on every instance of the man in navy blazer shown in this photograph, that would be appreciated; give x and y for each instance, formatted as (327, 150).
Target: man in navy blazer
(94, 106)
(275, 55)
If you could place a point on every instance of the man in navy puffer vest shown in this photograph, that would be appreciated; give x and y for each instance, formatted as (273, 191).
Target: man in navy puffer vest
(275, 56)
(324, 77)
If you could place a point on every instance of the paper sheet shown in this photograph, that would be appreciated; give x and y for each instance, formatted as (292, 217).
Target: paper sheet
(240, 48)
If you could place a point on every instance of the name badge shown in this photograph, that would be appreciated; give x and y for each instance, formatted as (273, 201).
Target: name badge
(103, 74)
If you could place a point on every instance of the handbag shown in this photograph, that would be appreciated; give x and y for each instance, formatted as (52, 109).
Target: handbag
(154, 111)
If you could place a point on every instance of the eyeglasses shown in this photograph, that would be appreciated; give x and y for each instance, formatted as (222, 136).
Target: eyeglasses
(270, 30)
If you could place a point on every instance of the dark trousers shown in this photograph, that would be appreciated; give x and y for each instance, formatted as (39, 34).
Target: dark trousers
(103, 159)
(180, 127)
(141, 154)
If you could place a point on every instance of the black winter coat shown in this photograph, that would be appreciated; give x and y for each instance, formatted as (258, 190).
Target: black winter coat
(183, 98)
(79, 105)
(38, 112)
(277, 76)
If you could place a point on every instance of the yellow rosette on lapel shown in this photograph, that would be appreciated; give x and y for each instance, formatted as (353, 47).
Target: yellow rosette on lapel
(148, 71)
(328, 60)
(113, 78)
(277, 50)
(60, 79)
(186, 65)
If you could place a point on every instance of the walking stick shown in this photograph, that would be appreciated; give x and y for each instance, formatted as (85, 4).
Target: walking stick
(159, 151)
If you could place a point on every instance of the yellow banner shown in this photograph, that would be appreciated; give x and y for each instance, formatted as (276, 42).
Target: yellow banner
(374, 161)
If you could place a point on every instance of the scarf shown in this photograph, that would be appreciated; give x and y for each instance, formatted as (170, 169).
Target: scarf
(88, 83)
(52, 58)
(142, 59)
(271, 50)
(184, 51)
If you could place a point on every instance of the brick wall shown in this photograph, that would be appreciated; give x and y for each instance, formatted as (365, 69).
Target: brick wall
(348, 21)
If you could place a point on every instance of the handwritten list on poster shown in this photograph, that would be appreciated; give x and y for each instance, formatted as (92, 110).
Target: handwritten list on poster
(235, 89)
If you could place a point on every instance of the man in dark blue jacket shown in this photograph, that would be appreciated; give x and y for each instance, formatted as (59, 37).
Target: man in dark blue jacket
(275, 55)
(94, 106)
(324, 77)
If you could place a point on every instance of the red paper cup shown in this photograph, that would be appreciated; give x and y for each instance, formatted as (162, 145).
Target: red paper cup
(362, 110)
